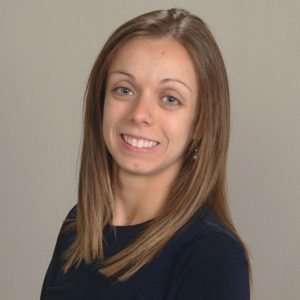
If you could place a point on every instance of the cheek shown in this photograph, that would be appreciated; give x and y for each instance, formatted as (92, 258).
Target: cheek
(108, 120)
(111, 114)
(178, 130)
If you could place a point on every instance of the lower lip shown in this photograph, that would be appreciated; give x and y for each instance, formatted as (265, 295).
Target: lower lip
(137, 149)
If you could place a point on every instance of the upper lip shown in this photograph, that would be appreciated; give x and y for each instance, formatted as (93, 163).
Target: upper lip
(139, 137)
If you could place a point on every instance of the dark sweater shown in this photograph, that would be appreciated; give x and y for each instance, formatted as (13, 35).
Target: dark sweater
(202, 261)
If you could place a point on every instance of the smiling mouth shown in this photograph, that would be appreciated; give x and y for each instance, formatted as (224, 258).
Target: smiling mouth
(139, 142)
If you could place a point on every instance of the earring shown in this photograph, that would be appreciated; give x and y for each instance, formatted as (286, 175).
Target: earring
(196, 152)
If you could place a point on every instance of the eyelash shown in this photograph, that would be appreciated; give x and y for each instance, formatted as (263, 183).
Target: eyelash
(169, 96)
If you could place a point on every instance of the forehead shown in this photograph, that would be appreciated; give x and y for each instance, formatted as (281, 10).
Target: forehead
(163, 56)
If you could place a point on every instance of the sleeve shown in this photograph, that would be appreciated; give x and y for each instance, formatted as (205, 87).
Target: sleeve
(53, 267)
(216, 269)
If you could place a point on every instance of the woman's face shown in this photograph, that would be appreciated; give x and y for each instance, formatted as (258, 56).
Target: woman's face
(150, 105)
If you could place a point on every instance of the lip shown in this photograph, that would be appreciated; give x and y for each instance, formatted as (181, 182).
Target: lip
(136, 149)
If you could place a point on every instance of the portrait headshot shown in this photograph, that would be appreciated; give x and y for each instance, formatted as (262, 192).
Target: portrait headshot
(150, 150)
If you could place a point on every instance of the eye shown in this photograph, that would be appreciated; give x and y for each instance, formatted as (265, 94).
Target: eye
(123, 91)
(170, 100)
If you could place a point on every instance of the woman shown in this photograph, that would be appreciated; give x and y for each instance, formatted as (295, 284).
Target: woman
(152, 220)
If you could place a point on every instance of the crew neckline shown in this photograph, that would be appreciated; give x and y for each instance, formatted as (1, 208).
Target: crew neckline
(129, 226)
(202, 211)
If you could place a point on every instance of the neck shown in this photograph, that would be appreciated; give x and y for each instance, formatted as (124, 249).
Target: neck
(139, 198)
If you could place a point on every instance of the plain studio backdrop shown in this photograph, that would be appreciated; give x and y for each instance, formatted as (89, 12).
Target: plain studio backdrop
(47, 51)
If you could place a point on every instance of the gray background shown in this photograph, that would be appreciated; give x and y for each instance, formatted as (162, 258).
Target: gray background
(47, 51)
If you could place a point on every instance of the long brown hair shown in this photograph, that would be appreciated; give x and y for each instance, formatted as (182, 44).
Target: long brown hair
(199, 182)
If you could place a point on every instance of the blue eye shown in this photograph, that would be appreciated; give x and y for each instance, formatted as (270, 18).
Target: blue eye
(170, 100)
(123, 91)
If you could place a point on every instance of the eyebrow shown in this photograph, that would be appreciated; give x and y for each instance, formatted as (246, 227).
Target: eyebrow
(165, 80)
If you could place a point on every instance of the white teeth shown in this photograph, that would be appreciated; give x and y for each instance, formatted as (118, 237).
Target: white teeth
(139, 143)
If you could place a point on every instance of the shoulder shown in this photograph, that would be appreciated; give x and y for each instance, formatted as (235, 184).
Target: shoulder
(72, 212)
(213, 265)
(217, 254)
(66, 236)
(215, 244)
(71, 216)
(210, 239)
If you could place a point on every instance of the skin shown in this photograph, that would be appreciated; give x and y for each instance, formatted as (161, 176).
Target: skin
(142, 102)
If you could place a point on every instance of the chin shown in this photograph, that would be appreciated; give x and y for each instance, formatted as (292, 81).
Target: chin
(141, 171)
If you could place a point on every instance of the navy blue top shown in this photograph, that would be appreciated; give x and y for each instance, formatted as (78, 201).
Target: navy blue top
(202, 261)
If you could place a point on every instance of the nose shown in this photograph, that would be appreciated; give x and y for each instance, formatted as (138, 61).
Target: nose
(141, 112)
